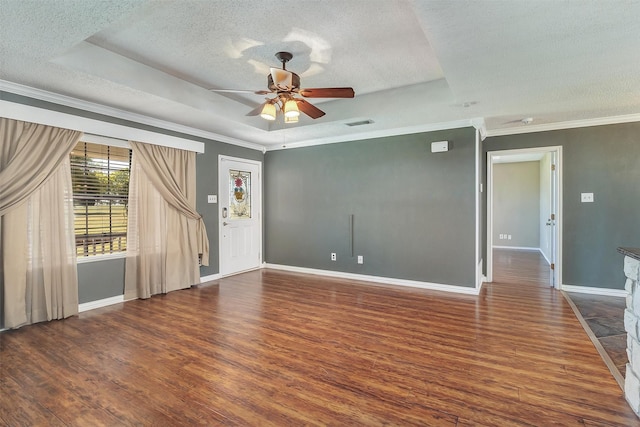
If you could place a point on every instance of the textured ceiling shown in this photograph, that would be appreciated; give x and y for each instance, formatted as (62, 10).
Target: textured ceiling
(413, 64)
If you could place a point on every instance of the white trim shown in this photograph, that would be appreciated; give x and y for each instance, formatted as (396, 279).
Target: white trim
(97, 258)
(68, 101)
(209, 278)
(478, 151)
(559, 214)
(572, 124)
(523, 248)
(31, 114)
(91, 305)
(595, 291)
(105, 140)
(381, 133)
(378, 279)
(545, 256)
(518, 248)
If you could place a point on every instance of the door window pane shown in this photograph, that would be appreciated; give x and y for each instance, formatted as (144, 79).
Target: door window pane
(240, 197)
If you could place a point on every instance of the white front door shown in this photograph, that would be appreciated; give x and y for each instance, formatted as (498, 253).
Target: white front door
(240, 224)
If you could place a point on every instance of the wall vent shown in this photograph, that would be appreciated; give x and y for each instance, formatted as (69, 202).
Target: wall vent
(360, 123)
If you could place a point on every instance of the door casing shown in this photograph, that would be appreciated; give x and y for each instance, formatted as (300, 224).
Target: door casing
(557, 236)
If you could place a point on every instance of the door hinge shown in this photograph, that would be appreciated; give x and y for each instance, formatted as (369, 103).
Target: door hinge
(553, 216)
(553, 167)
(553, 266)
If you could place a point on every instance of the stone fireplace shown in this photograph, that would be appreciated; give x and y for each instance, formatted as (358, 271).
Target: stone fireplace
(632, 326)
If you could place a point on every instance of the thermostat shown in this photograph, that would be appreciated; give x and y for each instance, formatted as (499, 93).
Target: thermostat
(439, 146)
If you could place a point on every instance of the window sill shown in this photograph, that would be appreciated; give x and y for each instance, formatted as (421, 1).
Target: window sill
(96, 258)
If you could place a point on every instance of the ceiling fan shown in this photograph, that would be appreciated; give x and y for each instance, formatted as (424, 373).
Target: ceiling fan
(285, 85)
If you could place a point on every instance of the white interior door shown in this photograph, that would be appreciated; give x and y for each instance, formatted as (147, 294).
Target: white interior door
(552, 221)
(240, 224)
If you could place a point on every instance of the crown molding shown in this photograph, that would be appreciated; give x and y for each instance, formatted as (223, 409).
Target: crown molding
(572, 124)
(93, 107)
(382, 133)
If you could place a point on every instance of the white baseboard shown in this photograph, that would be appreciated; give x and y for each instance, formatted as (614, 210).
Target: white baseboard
(480, 277)
(377, 279)
(91, 305)
(595, 291)
(544, 256)
(209, 278)
(524, 248)
(517, 248)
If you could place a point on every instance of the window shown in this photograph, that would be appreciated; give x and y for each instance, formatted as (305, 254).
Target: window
(100, 176)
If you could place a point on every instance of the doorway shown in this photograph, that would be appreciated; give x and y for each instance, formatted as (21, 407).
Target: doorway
(240, 215)
(549, 216)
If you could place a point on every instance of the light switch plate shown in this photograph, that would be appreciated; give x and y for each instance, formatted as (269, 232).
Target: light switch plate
(212, 198)
(586, 197)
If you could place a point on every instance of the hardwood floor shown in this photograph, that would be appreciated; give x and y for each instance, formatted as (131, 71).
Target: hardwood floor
(274, 348)
(604, 316)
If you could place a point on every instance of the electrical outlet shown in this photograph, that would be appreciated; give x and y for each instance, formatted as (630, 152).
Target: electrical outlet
(360, 259)
(509, 236)
(333, 256)
(501, 236)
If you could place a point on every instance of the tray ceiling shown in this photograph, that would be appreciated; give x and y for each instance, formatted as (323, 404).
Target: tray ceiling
(413, 64)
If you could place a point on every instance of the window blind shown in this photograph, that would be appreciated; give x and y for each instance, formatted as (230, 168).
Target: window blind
(100, 177)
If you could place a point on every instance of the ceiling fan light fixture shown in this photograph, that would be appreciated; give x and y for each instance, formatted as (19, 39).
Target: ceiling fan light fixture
(291, 109)
(291, 119)
(268, 112)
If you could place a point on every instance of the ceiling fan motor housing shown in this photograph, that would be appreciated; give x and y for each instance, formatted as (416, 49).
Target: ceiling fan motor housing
(295, 83)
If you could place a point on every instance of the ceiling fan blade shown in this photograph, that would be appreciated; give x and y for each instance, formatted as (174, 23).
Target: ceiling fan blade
(328, 92)
(256, 110)
(309, 109)
(257, 92)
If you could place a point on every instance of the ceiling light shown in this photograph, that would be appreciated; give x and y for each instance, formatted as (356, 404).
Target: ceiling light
(291, 119)
(291, 108)
(268, 111)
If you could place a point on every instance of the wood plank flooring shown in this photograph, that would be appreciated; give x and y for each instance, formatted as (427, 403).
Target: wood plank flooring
(604, 318)
(270, 348)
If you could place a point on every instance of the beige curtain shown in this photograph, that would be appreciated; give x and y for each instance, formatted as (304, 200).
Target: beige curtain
(165, 234)
(37, 248)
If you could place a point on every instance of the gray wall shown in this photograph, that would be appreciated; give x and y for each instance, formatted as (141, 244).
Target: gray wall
(414, 211)
(516, 204)
(604, 160)
(100, 279)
